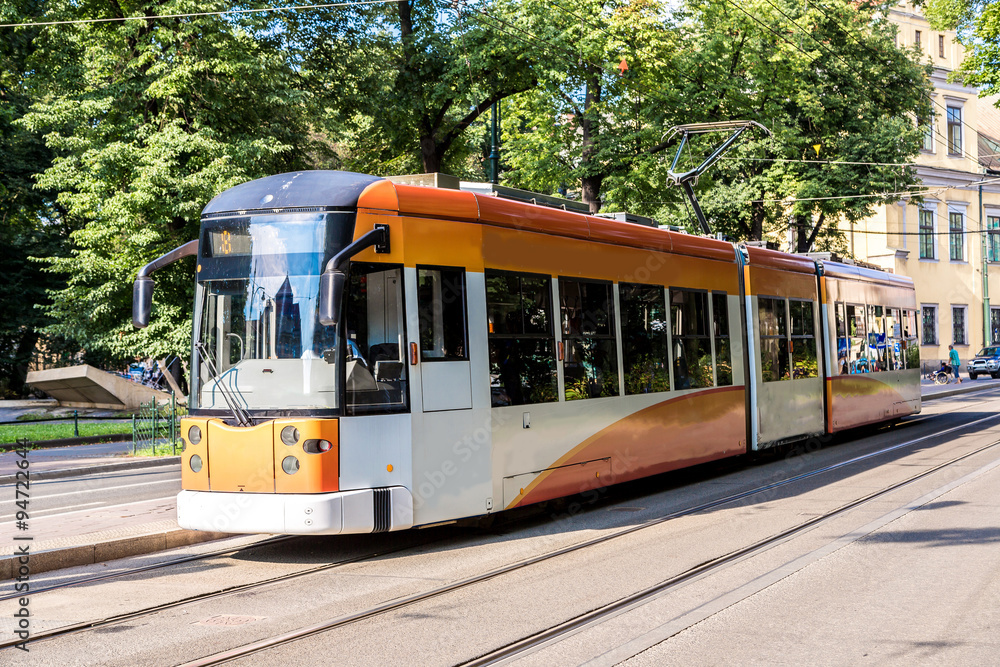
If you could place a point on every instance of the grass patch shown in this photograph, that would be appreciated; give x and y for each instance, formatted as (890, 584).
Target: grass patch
(55, 431)
(162, 449)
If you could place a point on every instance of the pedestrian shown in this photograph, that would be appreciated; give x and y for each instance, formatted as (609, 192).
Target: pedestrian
(955, 363)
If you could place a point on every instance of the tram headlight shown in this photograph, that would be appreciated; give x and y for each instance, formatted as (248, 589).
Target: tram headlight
(290, 465)
(194, 435)
(196, 463)
(289, 435)
(317, 446)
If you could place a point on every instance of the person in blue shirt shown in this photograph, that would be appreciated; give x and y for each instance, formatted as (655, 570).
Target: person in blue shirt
(955, 363)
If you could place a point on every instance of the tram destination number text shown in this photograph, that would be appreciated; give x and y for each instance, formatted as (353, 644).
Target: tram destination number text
(22, 548)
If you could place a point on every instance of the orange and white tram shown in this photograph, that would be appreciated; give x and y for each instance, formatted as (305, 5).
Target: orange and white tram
(370, 356)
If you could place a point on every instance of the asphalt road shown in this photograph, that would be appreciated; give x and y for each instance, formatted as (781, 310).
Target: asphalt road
(912, 576)
(67, 507)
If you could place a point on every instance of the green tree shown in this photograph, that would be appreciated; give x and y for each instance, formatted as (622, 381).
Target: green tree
(977, 23)
(398, 86)
(596, 121)
(31, 225)
(826, 76)
(148, 120)
(830, 83)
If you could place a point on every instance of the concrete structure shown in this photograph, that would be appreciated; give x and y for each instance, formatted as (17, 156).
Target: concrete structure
(945, 243)
(87, 387)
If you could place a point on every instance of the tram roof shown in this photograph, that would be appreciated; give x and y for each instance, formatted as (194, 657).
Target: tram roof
(299, 189)
(851, 272)
(489, 210)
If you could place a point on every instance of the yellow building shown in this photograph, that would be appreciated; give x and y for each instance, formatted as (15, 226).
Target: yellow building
(944, 243)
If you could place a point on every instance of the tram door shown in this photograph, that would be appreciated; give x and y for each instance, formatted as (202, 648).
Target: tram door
(445, 371)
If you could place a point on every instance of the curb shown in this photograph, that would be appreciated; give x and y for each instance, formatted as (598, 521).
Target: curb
(957, 391)
(154, 462)
(69, 442)
(89, 554)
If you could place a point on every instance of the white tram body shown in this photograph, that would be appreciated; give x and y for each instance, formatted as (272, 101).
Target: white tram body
(490, 353)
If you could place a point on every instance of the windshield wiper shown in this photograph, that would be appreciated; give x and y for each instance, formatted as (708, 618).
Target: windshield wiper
(243, 417)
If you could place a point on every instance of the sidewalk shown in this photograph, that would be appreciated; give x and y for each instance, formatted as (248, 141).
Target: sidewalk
(82, 537)
(929, 390)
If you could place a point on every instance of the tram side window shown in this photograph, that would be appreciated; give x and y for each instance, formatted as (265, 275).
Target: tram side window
(723, 353)
(692, 344)
(441, 306)
(374, 326)
(804, 363)
(911, 345)
(877, 344)
(894, 339)
(590, 367)
(773, 339)
(644, 338)
(843, 345)
(521, 338)
(857, 353)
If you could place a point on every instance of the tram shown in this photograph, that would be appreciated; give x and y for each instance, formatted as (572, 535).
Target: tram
(370, 356)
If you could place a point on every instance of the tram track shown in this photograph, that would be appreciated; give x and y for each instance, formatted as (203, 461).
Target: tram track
(153, 566)
(595, 616)
(573, 624)
(276, 540)
(352, 618)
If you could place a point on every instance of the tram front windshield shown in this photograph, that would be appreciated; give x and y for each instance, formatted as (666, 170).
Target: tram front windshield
(257, 333)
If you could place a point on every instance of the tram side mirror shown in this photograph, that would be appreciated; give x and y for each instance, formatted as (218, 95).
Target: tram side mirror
(331, 296)
(142, 301)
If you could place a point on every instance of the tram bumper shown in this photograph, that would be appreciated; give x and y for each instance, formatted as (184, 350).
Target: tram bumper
(362, 511)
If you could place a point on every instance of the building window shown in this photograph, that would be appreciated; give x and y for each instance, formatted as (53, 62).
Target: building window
(928, 125)
(941, 46)
(928, 325)
(926, 230)
(954, 130)
(916, 38)
(692, 343)
(993, 227)
(956, 236)
(521, 338)
(590, 367)
(959, 336)
(644, 338)
(441, 308)
(994, 326)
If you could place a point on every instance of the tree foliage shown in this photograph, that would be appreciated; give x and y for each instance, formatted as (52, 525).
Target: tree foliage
(792, 67)
(115, 135)
(977, 23)
(399, 85)
(147, 121)
(830, 83)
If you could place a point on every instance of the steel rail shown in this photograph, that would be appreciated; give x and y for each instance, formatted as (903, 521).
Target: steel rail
(324, 626)
(201, 597)
(525, 645)
(147, 568)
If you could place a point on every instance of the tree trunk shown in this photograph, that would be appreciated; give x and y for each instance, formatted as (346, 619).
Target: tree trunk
(589, 124)
(757, 221)
(429, 154)
(25, 350)
(802, 227)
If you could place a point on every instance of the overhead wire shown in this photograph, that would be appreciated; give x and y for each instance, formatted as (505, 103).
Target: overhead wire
(261, 10)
